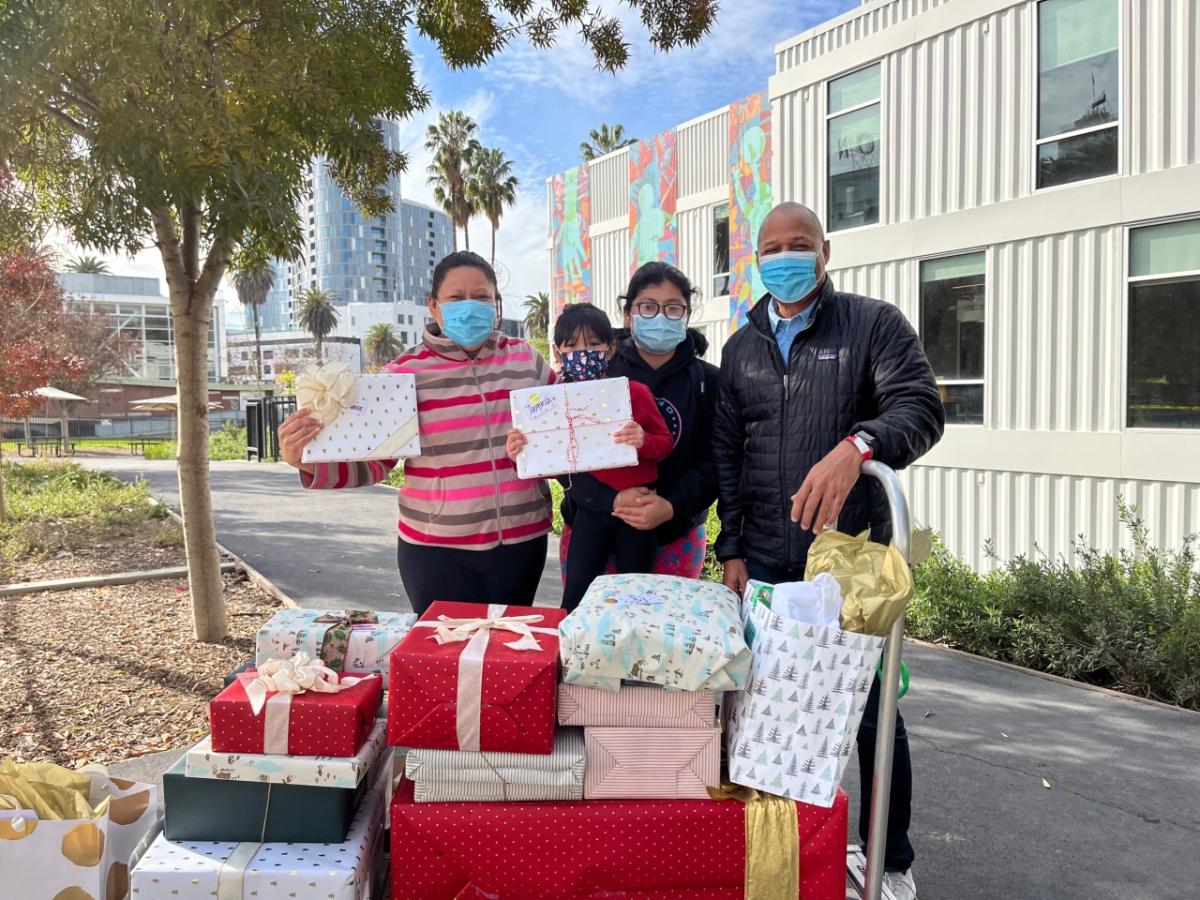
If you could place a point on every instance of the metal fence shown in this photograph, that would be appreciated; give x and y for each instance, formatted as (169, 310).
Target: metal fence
(125, 432)
(263, 417)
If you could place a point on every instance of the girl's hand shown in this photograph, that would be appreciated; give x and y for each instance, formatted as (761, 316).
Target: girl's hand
(295, 433)
(515, 445)
(631, 433)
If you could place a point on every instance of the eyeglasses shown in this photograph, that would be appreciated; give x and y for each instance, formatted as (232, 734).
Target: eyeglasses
(648, 309)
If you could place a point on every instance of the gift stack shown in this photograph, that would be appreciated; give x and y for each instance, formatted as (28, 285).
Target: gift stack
(475, 697)
(287, 795)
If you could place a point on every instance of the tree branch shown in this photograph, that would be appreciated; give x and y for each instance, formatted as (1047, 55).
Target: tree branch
(167, 241)
(231, 30)
(75, 125)
(189, 219)
(215, 264)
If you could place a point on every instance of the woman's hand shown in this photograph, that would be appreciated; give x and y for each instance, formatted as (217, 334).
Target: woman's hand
(295, 433)
(631, 433)
(515, 445)
(643, 509)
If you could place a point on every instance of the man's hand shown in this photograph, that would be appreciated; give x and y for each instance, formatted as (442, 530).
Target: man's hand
(642, 508)
(514, 444)
(631, 433)
(818, 503)
(295, 433)
(736, 576)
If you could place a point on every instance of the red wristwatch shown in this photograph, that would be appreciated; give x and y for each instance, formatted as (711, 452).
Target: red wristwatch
(862, 442)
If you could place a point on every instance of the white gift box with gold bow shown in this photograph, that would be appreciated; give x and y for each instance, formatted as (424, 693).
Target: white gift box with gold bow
(365, 416)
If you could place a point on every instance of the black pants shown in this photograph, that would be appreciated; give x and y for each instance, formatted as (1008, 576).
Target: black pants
(898, 856)
(595, 537)
(507, 574)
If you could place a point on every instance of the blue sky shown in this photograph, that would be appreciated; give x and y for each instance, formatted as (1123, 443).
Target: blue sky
(538, 105)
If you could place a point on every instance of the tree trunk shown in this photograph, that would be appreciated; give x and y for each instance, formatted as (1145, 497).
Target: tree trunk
(191, 292)
(493, 246)
(467, 233)
(258, 346)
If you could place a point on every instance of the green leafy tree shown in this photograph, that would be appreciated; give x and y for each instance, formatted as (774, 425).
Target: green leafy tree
(537, 314)
(22, 222)
(87, 265)
(604, 140)
(454, 146)
(382, 344)
(196, 123)
(253, 281)
(318, 316)
(491, 186)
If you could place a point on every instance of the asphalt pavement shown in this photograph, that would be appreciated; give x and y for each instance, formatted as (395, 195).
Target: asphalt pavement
(1025, 788)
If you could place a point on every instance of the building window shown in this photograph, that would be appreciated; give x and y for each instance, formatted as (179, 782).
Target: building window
(1164, 326)
(853, 130)
(721, 250)
(1078, 72)
(952, 295)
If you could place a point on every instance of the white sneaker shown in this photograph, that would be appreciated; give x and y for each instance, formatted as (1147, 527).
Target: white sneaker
(900, 884)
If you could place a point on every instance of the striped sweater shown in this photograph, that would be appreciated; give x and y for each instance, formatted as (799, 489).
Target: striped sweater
(463, 490)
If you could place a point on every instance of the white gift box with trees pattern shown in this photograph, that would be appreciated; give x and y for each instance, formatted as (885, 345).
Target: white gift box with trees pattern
(793, 729)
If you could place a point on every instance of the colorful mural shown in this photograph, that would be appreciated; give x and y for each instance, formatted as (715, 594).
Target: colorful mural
(652, 192)
(570, 221)
(749, 199)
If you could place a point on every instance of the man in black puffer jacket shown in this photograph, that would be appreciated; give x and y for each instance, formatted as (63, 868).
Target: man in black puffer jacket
(815, 383)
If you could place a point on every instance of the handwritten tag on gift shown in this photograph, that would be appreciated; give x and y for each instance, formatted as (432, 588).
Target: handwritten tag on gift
(538, 405)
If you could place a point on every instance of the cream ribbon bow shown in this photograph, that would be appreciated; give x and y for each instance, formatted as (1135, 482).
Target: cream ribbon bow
(293, 676)
(449, 630)
(326, 390)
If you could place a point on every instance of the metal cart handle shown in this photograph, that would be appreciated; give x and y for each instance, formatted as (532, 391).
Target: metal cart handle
(885, 734)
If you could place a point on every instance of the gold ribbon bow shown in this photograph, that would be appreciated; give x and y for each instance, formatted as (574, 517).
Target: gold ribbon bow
(772, 842)
(449, 630)
(326, 390)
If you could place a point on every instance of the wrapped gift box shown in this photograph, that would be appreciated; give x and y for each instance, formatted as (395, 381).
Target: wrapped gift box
(441, 776)
(598, 848)
(374, 418)
(682, 634)
(45, 858)
(570, 427)
(657, 763)
(353, 642)
(482, 688)
(636, 706)
(201, 870)
(217, 809)
(307, 724)
(315, 771)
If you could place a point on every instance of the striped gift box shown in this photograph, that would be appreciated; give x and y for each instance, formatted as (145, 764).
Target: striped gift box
(636, 706)
(651, 763)
(450, 776)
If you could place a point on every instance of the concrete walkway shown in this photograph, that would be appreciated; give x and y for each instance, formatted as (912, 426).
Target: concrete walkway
(322, 548)
(1120, 820)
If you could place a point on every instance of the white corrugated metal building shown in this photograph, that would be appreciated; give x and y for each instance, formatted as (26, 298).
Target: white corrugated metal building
(1022, 178)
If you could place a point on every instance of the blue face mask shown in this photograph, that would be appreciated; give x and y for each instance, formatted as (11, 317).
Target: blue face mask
(790, 275)
(468, 322)
(584, 365)
(659, 334)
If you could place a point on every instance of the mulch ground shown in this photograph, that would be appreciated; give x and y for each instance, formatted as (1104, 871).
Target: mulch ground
(106, 674)
(138, 547)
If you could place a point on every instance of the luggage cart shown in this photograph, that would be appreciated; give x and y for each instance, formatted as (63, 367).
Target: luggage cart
(866, 871)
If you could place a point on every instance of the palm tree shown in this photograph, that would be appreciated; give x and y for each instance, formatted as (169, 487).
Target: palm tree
(604, 140)
(318, 316)
(491, 186)
(87, 265)
(382, 344)
(453, 144)
(537, 313)
(253, 282)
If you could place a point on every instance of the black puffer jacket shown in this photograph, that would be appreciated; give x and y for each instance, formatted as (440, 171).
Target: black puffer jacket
(858, 366)
(686, 391)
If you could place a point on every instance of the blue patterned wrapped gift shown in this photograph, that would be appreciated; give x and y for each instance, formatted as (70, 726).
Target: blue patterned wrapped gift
(683, 634)
(351, 642)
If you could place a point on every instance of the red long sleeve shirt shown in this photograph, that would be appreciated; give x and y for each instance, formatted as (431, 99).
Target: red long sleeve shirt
(659, 442)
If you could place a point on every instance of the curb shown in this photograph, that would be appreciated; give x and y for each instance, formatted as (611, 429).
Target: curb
(1055, 679)
(92, 581)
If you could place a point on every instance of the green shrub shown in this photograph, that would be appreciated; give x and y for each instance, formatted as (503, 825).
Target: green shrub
(228, 443)
(1129, 621)
(161, 450)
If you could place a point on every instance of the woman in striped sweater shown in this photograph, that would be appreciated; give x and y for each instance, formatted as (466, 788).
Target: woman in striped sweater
(470, 529)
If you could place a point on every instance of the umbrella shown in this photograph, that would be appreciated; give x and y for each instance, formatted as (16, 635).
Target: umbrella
(63, 397)
(169, 403)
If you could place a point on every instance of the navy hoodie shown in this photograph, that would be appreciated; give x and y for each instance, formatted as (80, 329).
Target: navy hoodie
(686, 390)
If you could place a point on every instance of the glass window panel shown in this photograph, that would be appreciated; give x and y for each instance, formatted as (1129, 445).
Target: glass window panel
(721, 239)
(1164, 249)
(854, 89)
(854, 169)
(1077, 96)
(1072, 30)
(953, 267)
(1164, 369)
(952, 330)
(1078, 158)
(721, 285)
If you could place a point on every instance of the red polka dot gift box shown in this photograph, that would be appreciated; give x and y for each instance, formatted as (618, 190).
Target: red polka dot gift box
(311, 723)
(643, 849)
(475, 676)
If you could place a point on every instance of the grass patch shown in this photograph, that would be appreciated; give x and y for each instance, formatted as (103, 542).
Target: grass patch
(228, 443)
(55, 506)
